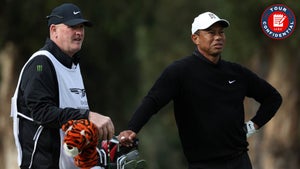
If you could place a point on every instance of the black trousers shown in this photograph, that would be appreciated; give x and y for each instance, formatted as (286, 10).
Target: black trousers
(240, 162)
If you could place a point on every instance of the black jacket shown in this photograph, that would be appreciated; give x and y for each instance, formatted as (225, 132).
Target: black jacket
(38, 98)
(208, 105)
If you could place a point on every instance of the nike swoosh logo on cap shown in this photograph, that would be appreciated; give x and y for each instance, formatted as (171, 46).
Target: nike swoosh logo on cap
(76, 12)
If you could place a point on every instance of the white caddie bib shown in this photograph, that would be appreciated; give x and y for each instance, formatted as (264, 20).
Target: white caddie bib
(71, 94)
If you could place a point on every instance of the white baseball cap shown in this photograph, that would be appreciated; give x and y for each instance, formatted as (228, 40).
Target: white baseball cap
(205, 20)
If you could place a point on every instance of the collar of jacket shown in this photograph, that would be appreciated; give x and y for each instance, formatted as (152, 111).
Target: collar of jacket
(60, 55)
(199, 55)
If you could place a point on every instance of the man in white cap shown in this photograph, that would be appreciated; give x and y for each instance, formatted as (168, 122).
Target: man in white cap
(208, 94)
(50, 92)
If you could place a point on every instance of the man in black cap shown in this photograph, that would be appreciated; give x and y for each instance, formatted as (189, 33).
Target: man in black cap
(208, 94)
(50, 92)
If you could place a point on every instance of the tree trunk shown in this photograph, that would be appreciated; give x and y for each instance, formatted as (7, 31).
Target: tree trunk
(8, 155)
(277, 144)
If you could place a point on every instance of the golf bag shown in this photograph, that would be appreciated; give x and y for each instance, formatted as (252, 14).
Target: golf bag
(81, 143)
(115, 156)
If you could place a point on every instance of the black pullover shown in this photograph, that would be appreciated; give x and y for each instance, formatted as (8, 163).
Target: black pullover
(208, 105)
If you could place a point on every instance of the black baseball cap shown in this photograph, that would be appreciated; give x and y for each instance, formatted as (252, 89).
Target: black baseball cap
(68, 14)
